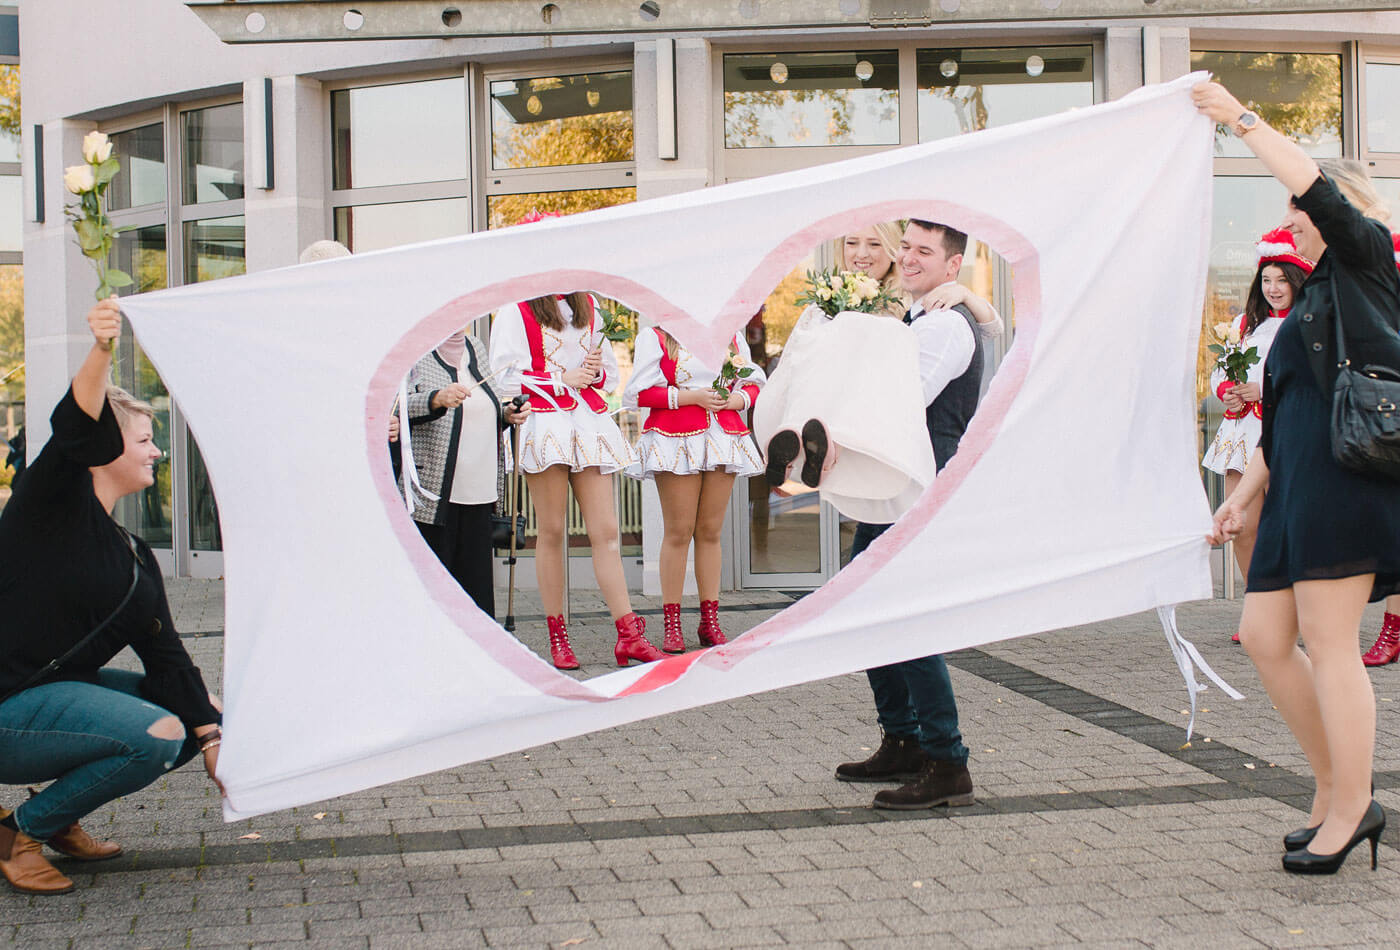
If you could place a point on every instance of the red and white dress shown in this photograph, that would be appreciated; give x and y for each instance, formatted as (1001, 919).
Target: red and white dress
(1239, 434)
(684, 440)
(566, 426)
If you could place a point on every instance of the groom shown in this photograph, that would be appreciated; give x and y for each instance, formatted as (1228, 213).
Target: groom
(914, 701)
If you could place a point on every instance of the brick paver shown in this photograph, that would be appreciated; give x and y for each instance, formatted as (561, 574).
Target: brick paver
(723, 827)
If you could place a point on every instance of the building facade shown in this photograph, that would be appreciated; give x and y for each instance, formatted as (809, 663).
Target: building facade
(235, 157)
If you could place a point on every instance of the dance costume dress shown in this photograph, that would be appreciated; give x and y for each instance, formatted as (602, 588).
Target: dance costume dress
(686, 440)
(566, 426)
(1238, 435)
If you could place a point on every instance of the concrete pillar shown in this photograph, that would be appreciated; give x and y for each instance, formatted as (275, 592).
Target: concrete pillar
(59, 283)
(283, 220)
(1122, 61)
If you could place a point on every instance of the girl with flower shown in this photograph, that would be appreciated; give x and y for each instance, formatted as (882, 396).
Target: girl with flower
(693, 443)
(552, 350)
(1277, 280)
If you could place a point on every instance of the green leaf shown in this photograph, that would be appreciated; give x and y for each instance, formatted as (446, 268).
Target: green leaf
(119, 278)
(103, 291)
(90, 234)
(106, 171)
(746, 372)
(1217, 349)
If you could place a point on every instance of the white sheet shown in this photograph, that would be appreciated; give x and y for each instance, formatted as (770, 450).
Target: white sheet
(353, 659)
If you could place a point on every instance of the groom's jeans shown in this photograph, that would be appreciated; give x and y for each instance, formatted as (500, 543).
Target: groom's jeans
(914, 698)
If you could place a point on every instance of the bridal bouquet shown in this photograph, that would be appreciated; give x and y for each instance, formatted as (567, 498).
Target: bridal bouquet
(835, 291)
(1231, 357)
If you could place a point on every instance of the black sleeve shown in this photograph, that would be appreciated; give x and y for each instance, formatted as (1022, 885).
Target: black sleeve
(172, 680)
(81, 438)
(1356, 241)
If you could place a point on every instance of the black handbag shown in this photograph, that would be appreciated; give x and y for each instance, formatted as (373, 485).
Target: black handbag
(1365, 413)
(500, 531)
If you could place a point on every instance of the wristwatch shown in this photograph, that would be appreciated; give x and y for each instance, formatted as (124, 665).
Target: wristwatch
(1246, 123)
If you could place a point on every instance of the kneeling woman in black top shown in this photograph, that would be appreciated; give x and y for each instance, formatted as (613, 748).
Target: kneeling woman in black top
(1328, 538)
(66, 570)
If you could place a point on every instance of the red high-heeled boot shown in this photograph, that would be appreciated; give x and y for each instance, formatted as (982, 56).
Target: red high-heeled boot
(709, 632)
(560, 652)
(1386, 649)
(632, 643)
(674, 641)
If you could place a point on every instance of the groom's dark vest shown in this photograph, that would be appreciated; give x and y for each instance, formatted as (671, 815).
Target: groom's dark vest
(951, 410)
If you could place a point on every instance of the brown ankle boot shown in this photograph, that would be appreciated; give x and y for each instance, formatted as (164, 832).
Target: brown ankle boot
(899, 757)
(23, 864)
(942, 782)
(77, 843)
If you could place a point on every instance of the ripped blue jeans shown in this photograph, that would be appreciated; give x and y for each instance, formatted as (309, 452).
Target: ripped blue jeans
(93, 742)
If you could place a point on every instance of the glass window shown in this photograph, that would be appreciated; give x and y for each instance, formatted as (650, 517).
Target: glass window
(9, 114)
(11, 213)
(149, 513)
(1244, 208)
(1389, 189)
(399, 134)
(214, 249)
(785, 100)
(1383, 107)
(562, 120)
(503, 210)
(964, 90)
(141, 180)
(213, 153)
(371, 227)
(1300, 94)
(205, 533)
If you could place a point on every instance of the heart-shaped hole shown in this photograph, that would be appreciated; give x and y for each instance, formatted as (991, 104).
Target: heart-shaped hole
(774, 282)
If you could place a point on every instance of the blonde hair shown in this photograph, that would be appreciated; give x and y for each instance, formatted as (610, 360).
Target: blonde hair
(890, 234)
(323, 251)
(127, 407)
(1356, 187)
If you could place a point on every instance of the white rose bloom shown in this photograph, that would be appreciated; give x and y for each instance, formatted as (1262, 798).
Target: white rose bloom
(79, 178)
(1234, 334)
(97, 148)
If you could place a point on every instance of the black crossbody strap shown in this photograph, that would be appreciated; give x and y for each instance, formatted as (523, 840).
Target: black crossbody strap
(54, 665)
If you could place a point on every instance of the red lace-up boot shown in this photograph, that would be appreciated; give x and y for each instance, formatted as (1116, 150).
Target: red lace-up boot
(560, 652)
(709, 633)
(632, 642)
(674, 641)
(1387, 646)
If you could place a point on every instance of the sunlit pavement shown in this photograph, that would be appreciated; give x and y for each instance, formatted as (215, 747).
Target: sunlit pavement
(723, 826)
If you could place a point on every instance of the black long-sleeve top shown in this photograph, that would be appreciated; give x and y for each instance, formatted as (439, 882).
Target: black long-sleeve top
(65, 565)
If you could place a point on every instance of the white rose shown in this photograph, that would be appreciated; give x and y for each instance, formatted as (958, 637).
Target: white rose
(79, 178)
(835, 282)
(1234, 335)
(97, 148)
(1222, 331)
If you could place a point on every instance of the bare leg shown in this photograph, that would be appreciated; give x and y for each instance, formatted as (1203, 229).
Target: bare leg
(1244, 541)
(680, 497)
(549, 495)
(1329, 617)
(594, 493)
(709, 522)
(1269, 634)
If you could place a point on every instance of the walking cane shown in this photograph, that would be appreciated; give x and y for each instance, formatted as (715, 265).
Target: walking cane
(514, 522)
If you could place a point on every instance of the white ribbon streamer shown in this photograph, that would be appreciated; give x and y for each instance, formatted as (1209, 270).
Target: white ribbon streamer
(1188, 660)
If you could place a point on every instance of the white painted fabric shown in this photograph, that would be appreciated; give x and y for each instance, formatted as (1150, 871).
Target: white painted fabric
(1015, 536)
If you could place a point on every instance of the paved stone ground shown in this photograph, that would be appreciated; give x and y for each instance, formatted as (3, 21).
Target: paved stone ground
(722, 826)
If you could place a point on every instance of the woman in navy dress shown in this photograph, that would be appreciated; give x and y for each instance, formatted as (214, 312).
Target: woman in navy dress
(1328, 539)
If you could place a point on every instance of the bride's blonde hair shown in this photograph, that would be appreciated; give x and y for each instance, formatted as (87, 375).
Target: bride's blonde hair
(890, 234)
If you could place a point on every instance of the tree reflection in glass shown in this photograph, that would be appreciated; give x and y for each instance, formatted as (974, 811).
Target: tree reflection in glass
(1300, 94)
(787, 100)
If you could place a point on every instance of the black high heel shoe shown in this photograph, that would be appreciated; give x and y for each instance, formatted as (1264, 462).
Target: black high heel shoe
(1300, 839)
(1371, 826)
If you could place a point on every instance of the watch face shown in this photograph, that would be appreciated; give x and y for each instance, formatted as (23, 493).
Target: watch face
(1248, 119)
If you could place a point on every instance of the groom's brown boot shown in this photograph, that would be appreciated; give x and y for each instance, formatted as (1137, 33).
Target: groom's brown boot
(942, 782)
(898, 758)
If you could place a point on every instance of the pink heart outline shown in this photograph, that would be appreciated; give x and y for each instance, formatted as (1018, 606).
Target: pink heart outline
(523, 662)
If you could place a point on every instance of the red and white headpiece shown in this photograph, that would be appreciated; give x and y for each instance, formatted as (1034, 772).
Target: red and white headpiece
(1277, 247)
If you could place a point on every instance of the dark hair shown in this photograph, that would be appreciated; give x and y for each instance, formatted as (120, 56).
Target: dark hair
(546, 310)
(954, 241)
(1256, 308)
